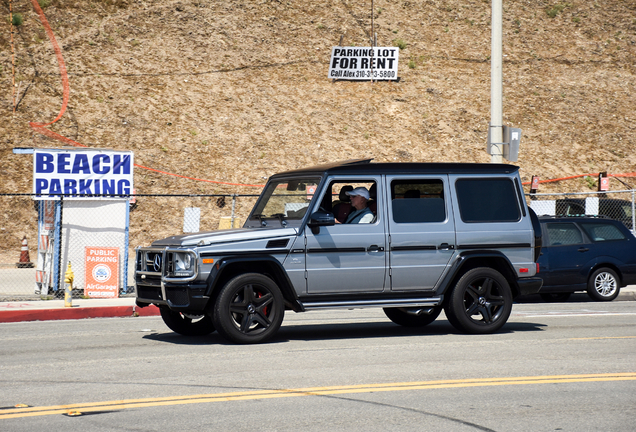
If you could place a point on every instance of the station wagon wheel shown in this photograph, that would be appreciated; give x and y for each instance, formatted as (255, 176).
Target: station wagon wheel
(412, 317)
(480, 303)
(603, 285)
(249, 309)
(187, 324)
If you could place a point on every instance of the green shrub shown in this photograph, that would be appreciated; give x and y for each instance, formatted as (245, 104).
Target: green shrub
(18, 19)
(399, 43)
(44, 3)
(555, 10)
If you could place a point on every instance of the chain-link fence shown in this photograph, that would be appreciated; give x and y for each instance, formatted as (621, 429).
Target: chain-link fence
(98, 238)
(619, 205)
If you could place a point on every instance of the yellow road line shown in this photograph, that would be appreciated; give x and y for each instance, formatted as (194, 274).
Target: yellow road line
(310, 391)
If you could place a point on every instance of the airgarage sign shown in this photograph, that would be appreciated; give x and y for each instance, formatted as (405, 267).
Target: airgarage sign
(364, 63)
(82, 173)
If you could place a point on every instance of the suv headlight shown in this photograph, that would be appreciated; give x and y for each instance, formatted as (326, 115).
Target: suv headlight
(184, 264)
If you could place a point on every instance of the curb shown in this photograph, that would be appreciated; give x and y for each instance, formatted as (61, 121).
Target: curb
(77, 313)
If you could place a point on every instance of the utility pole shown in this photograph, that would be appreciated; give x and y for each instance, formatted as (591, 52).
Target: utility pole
(496, 83)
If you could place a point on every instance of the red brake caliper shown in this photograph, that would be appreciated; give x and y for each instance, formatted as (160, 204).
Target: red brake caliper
(259, 295)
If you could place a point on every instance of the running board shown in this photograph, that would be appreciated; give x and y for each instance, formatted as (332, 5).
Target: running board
(385, 303)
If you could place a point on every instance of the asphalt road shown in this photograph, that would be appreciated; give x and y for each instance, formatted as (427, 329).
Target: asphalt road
(563, 366)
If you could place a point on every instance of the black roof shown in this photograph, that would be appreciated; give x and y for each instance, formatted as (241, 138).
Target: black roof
(365, 166)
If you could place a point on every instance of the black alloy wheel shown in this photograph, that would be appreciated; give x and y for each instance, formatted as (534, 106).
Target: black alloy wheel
(249, 309)
(480, 303)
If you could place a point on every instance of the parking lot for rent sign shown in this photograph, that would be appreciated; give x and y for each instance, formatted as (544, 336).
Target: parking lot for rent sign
(364, 63)
(102, 272)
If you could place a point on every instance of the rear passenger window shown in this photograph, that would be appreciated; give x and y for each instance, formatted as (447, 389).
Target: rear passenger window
(487, 200)
(563, 234)
(600, 232)
(416, 201)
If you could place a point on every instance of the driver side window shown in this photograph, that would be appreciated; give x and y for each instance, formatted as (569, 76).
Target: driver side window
(338, 199)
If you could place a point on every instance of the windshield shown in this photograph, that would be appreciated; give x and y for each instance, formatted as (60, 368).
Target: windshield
(285, 201)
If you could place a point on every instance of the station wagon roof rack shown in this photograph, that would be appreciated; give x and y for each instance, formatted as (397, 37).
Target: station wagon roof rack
(575, 216)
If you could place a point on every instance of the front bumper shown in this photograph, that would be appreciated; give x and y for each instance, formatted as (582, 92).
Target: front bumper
(188, 297)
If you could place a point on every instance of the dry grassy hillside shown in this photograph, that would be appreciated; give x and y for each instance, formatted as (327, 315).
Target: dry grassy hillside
(236, 90)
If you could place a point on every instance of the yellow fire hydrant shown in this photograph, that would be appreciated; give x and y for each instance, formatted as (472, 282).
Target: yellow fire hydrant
(68, 287)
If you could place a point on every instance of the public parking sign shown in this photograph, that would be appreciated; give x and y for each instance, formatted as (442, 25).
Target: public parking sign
(102, 272)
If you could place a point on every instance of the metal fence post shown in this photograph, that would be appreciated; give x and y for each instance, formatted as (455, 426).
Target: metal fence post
(634, 211)
(58, 270)
(233, 208)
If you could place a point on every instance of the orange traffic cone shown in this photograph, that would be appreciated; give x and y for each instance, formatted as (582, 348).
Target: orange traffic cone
(25, 261)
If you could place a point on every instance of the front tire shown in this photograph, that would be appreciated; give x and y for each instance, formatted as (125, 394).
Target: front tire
(480, 303)
(408, 317)
(603, 285)
(249, 309)
(185, 324)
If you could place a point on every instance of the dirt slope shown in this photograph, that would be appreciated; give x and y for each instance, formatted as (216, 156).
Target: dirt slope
(236, 90)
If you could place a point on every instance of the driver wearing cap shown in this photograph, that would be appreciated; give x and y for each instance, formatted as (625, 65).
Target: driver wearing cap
(362, 214)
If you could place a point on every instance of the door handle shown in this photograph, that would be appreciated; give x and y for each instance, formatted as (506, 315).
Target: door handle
(446, 246)
(375, 248)
(583, 249)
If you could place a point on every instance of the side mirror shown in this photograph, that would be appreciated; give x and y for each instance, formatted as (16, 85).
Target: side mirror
(320, 218)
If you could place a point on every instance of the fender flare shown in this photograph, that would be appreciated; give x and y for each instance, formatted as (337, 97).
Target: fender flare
(466, 258)
(222, 266)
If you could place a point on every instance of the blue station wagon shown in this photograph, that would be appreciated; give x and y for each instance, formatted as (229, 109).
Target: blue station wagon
(596, 255)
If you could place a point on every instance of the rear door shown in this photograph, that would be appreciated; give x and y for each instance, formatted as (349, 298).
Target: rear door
(421, 230)
(565, 256)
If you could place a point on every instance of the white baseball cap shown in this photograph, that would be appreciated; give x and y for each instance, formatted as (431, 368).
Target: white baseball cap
(361, 191)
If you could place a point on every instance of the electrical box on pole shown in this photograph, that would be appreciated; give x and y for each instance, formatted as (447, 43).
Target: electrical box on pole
(512, 139)
(510, 144)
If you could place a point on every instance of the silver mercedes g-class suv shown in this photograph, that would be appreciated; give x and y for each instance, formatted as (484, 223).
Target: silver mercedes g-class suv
(450, 236)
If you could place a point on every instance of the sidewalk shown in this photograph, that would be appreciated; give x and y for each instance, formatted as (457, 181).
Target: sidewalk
(48, 310)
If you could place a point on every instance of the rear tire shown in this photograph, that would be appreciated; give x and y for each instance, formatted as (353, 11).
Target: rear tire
(185, 324)
(603, 285)
(408, 317)
(249, 309)
(480, 303)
